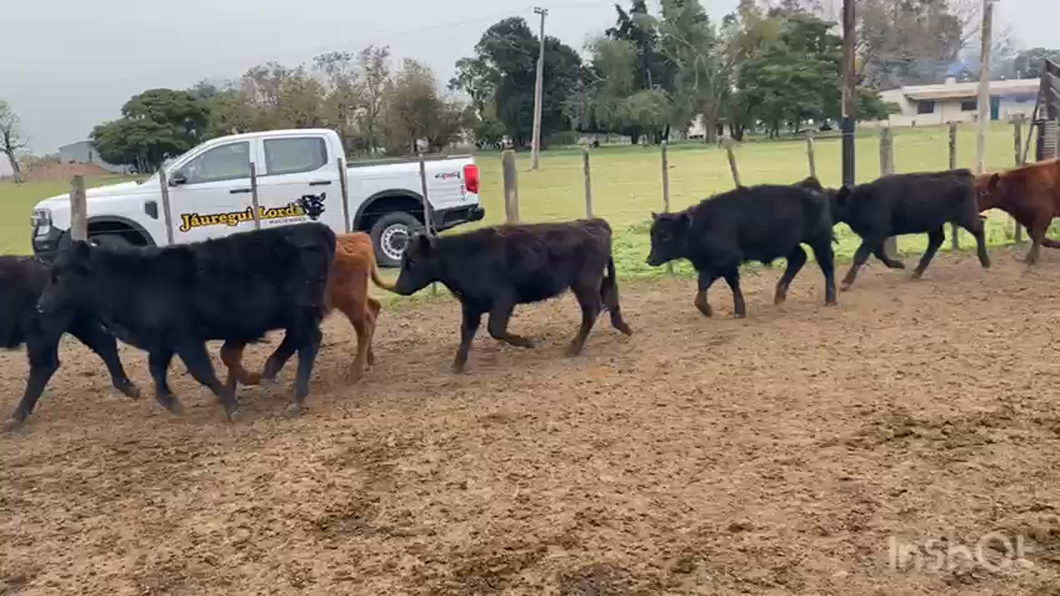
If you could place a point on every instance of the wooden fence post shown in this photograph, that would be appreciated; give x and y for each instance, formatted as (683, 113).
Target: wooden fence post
(955, 239)
(890, 246)
(666, 190)
(1017, 132)
(729, 142)
(344, 188)
(254, 195)
(167, 215)
(588, 183)
(78, 209)
(511, 187)
(810, 153)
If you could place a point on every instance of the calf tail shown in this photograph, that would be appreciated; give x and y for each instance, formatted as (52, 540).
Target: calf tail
(609, 286)
(377, 279)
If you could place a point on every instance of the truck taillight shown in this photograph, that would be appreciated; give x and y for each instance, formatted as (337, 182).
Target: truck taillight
(471, 178)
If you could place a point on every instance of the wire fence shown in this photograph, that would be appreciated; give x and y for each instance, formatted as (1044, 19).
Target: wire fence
(624, 185)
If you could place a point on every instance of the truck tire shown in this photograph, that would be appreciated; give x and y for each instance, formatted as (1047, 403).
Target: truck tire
(111, 241)
(390, 234)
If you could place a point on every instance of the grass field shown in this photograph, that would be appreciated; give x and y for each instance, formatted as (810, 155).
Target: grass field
(627, 184)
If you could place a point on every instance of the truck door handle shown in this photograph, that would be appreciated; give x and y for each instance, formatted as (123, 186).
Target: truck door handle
(236, 191)
(151, 209)
(320, 183)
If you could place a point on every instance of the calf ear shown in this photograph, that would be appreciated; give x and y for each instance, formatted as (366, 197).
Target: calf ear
(842, 194)
(654, 215)
(995, 180)
(423, 245)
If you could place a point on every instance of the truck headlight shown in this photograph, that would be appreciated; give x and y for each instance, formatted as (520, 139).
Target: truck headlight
(41, 220)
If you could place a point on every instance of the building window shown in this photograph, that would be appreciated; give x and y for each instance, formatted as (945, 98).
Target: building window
(925, 107)
(969, 105)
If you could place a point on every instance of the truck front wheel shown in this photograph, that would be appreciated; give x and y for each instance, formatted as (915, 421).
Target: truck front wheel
(391, 234)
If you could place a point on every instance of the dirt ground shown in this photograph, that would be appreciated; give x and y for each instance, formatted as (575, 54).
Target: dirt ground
(779, 454)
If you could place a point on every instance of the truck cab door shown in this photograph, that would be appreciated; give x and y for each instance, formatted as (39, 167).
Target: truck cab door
(300, 182)
(210, 193)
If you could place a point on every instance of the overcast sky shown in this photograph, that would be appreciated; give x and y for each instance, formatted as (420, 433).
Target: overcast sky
(76, 62)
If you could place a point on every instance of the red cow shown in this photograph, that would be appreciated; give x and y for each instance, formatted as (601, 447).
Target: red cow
(347, 291)
(1030, 194)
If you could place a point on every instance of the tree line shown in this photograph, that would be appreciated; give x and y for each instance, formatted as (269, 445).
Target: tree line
(767, 69)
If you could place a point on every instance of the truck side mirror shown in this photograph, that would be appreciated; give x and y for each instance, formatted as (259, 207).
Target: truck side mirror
(177, 178)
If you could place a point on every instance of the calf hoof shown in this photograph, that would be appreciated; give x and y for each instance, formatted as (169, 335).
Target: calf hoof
(831, 302)
(573, 350)
(14, 425)
(705, 309)
(523, 342)
(739, 315)
(917, 274)
(128, 389)
(458, 367)
(354, 374)
(845, 286)
(233, 415)
(294, 410)
(896, 265)
(175, 407)
(623, 328)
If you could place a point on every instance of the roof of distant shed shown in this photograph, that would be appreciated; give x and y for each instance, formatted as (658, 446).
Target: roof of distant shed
(971, 90)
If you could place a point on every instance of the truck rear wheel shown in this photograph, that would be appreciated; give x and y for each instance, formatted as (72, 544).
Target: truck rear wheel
(391, 234)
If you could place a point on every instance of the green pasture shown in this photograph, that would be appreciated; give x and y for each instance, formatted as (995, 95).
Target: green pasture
(627, 184)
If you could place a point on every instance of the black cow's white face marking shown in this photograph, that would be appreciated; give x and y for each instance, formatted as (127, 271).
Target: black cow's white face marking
(313, 205)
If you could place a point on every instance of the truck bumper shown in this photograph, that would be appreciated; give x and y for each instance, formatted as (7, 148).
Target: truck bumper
(448, 218)
(47, 246)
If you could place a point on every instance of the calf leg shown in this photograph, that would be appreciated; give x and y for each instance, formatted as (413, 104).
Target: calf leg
(158, 363)
(732, 277)
(977, 228)
(884, 258)
(232, 357)
(105, 346)
(796, 259)
(361, 319)
(373, 316)
(706, 279)
(198, 362)
(279, 357)
(1037, 233)
(589, 299)
(472, 317)
(308, 349)
(500, 315)
(822, 251)
(43, 362)
(860, 256)
(935, 239)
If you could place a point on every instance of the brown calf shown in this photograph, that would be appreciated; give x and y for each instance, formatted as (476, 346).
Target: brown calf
(347, 291)
(1030, 194)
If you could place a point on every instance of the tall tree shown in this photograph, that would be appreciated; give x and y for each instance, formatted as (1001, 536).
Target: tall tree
(504, 69)
(703, 63)
(11, 140)
(155, 124)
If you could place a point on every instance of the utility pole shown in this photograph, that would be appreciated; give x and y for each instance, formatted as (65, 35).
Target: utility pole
(849, 93)
(535, 147)
(984, 86)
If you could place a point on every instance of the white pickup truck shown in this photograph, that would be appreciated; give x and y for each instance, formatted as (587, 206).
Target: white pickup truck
(297, 179)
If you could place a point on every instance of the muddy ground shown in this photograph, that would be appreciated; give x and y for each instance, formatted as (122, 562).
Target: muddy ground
(773, 455)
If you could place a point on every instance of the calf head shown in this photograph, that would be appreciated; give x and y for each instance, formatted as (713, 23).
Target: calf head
(68, 285)
(420, 265)
(669, 237)
(989, 190)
